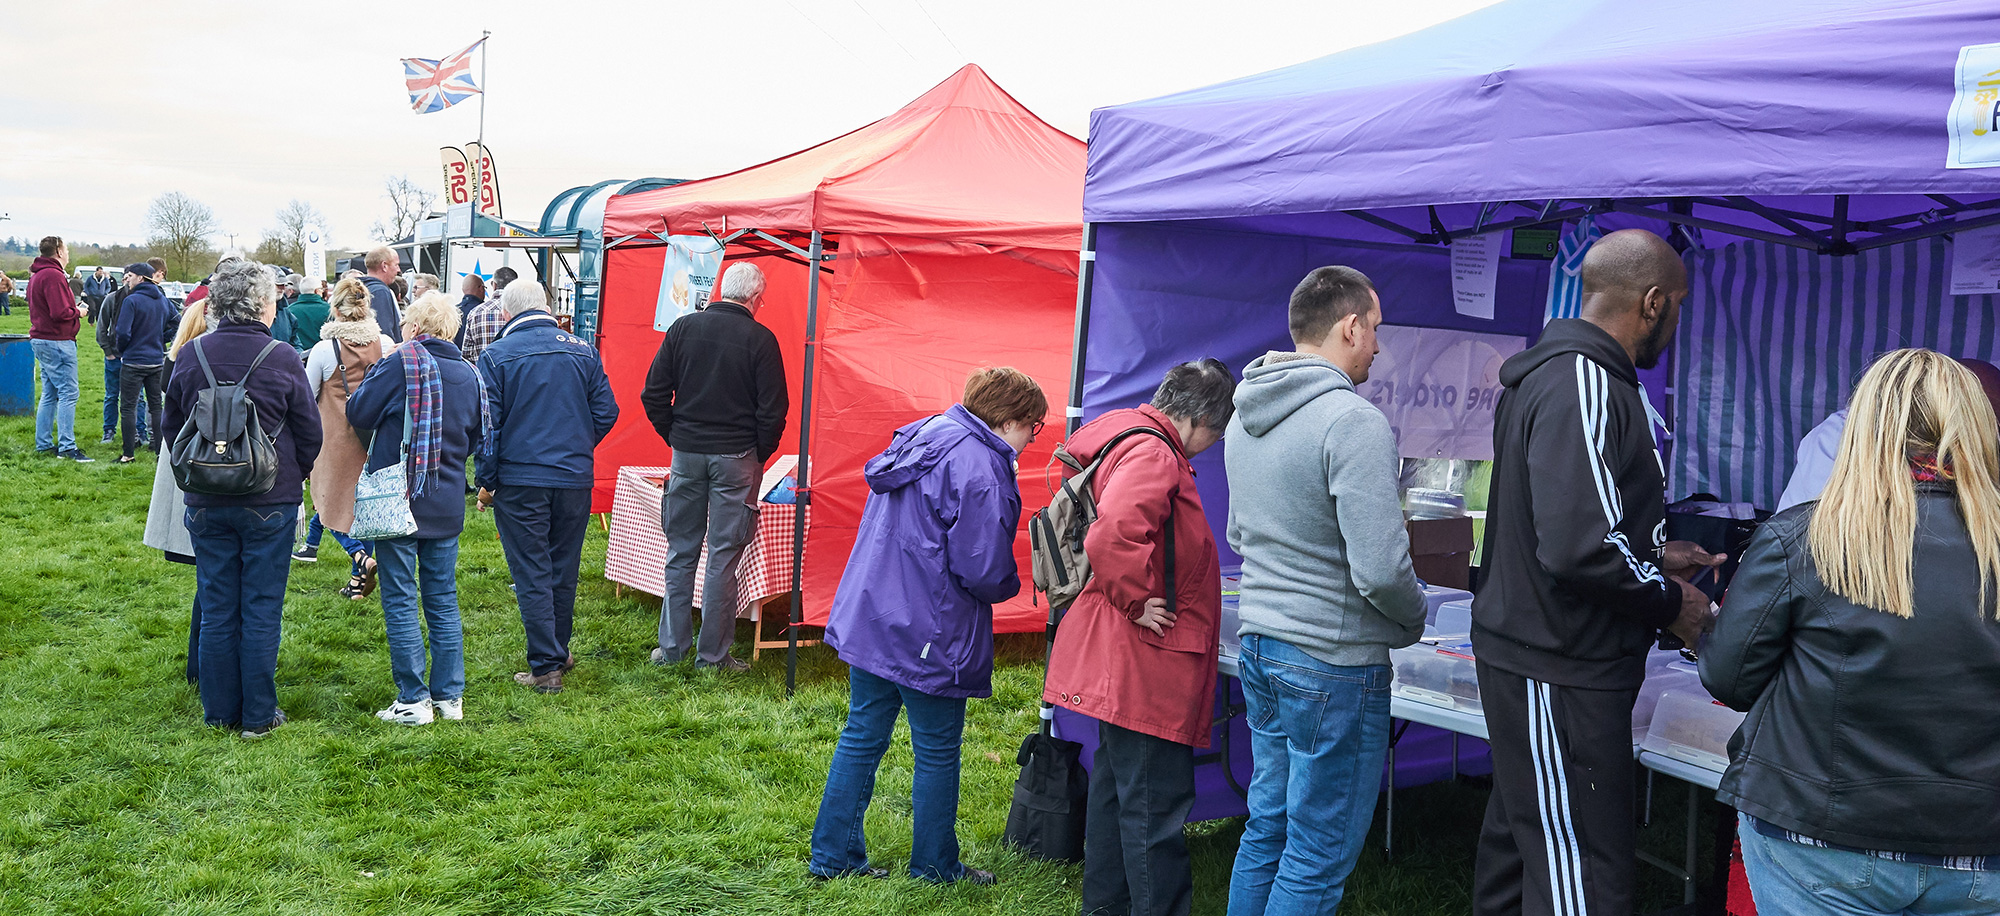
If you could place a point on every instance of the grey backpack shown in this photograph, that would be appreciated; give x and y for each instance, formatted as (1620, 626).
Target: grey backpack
(1061, 568)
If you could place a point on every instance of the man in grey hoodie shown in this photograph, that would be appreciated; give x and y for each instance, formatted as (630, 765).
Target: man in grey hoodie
(1327, 592)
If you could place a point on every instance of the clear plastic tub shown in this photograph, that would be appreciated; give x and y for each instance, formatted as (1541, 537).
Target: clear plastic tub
(1453, 619)
(1689, 725)
(1670, 672)
(1441, 675)
(1232, 583)
(1437, 596)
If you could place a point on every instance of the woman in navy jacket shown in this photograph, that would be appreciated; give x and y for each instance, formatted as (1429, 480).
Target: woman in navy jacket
(243, 544)
(913, 616)
(425, 378)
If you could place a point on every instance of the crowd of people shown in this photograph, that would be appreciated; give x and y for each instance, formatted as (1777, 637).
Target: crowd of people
(1875, 597)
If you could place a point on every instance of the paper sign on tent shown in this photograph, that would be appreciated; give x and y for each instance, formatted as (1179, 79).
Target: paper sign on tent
(1475, 272)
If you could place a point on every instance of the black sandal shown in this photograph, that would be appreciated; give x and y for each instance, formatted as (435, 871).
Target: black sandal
(360, 584)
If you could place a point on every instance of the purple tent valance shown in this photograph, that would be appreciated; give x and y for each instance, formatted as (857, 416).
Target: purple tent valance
(1821, 123)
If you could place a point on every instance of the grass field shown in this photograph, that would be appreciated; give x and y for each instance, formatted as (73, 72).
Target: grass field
(638, 790)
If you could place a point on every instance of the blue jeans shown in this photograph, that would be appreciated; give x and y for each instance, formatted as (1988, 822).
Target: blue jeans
(408, 566)
(542, 531)
(1799, 880)
(55, 416)
(839, 846)
(315, 531)
(242, 556)
(1319, 734)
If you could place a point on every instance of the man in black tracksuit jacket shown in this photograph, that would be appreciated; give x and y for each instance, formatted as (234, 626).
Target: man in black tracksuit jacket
(1580, 581)
(716, 393)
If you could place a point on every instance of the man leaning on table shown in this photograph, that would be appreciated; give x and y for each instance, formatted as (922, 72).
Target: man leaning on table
(1327, 592)
(716, 393)
(1579, 581)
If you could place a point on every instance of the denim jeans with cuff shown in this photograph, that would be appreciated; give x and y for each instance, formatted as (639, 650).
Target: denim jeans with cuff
(427, 567)
(839, 846)
(1319, 734)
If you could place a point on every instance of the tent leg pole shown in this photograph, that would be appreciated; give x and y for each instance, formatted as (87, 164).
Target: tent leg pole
(803, 487)
(1073, 418)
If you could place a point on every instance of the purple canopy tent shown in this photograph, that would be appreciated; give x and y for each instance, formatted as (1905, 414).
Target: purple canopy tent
(1795, 149)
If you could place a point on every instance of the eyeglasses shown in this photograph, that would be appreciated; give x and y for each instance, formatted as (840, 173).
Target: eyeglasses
(1035, 429)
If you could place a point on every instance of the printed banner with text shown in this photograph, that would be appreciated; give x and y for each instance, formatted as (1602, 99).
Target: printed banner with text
(1438, 387)
(686, 277)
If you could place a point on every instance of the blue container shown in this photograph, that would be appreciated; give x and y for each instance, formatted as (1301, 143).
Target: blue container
(17, 376)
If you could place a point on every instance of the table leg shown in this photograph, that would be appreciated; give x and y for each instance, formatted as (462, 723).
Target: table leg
(1693, 823)
(1389, 815)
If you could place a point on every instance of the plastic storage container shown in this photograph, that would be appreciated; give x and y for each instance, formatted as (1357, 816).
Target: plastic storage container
(1232, 583)
(1437, 596)
(1670, 672)
(1689, 725)
(1441, 675)
(1453, 620)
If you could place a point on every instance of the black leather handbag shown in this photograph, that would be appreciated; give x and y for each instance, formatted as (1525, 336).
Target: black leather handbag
(222, 450)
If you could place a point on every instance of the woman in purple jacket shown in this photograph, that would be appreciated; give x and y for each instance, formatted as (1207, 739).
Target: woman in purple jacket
(914, 616)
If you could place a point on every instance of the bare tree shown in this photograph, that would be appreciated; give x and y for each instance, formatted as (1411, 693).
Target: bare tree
(180, 227)
(409, 204)
(286, 245)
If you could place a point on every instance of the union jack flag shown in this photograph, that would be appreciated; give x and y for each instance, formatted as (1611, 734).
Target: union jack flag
(436, 85)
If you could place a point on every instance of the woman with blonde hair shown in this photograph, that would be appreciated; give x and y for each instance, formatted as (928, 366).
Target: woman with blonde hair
(427, 409)
(1862, 637)
(350, 342)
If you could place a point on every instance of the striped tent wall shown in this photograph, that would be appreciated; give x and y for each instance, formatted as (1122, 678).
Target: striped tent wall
(1772, 339)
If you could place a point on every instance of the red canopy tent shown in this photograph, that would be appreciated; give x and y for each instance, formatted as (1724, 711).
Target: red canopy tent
(946, 239)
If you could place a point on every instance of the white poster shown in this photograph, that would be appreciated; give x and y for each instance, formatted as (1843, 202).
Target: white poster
(1475, 270)
(1973, 123)
(1438, 388)
(315, 260)
(1975, 262)
(687, 277)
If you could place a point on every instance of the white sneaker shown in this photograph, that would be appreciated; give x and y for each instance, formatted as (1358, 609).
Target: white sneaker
(453, 710)
(406, 714)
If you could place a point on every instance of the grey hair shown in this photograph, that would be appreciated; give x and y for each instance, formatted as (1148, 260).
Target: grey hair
(1202, 392)
(523, 297)
(742, 282)
(239, 292)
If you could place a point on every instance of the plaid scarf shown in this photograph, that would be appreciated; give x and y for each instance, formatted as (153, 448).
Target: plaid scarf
(423, 403)
(1925, 468)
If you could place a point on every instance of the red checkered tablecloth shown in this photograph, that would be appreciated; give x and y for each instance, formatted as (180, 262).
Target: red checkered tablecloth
(636, 556)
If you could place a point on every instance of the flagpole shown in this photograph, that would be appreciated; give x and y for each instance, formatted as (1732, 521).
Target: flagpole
(478, 165)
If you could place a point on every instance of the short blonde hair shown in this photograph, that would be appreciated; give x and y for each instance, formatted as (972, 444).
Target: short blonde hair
(433, 313)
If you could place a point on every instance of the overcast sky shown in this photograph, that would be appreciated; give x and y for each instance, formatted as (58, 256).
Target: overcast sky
(245, 106)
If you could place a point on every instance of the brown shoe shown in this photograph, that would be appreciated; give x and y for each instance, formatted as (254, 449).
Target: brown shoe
(546, 683)
(567, 664)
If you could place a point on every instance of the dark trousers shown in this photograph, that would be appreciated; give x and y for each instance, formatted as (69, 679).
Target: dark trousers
(1559, 836)
(1135, 858)
(132, 380)
(542, 530)
(242, 558)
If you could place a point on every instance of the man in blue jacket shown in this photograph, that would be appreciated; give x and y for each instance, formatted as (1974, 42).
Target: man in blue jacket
(551, 404)
(142, 322)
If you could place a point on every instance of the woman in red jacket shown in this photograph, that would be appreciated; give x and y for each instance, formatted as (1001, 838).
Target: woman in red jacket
(1140, 663)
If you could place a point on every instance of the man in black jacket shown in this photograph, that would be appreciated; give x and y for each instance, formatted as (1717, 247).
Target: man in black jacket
(1580, 581)
(716, 393)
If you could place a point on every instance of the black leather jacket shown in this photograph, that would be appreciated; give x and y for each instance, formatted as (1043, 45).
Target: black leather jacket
(1864, 729)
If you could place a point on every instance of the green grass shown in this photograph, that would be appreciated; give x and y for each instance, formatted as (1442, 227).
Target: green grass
(638, 790)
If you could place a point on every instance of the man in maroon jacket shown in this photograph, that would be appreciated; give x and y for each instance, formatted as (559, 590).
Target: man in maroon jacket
(53, 320)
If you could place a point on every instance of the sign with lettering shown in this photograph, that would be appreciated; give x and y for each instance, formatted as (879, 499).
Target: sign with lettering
(1973, 124)
(457, 175)
(687, 277)
(1438, 388)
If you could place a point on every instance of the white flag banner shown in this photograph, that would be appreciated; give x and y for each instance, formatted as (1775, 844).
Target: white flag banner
(315, 259)
(687, 277)
(1438, 388)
